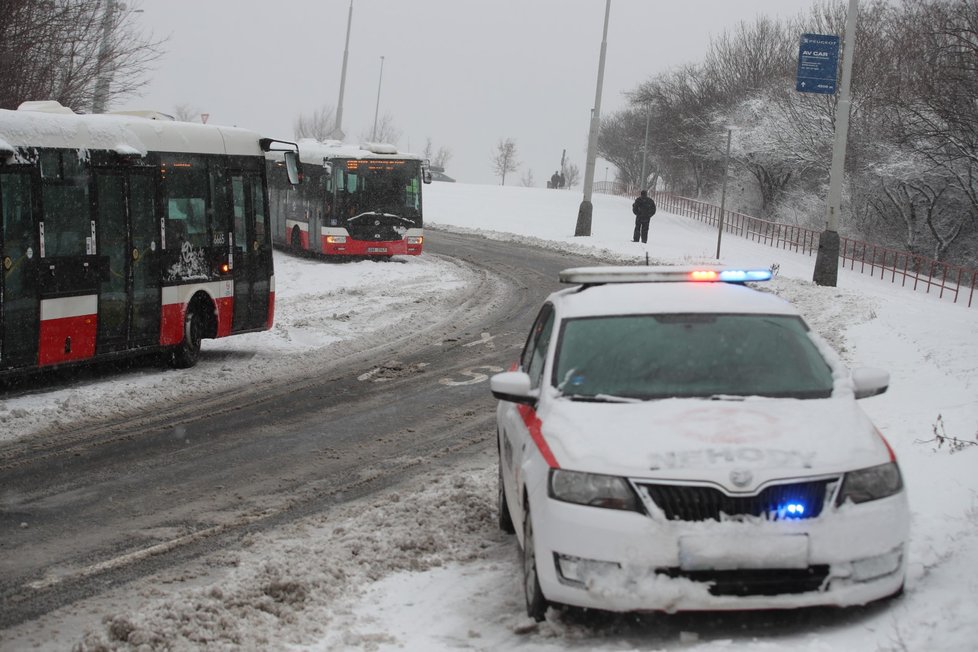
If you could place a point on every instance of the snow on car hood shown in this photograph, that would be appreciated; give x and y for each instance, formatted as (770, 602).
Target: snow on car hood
(705, 440)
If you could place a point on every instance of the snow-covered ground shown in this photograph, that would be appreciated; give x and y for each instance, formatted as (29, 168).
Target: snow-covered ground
(423, 567)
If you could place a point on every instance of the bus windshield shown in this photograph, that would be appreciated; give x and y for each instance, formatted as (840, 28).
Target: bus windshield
(370, 187)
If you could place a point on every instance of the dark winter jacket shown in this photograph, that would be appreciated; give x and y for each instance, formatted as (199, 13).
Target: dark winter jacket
(644, 207)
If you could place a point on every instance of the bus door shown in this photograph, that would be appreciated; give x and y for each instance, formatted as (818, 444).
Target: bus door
(252, 259)
(19, 305)
(128, 231)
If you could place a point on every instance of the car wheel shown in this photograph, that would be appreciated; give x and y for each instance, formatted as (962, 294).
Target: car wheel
(187, 352)
(502, 509)
(536, 604)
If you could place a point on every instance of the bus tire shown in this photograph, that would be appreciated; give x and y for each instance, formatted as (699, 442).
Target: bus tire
(187, 352)
(296, 239)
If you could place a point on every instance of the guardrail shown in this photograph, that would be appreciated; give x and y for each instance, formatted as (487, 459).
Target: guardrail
(919, 273)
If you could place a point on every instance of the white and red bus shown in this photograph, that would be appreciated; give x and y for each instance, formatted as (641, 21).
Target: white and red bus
(353, 201)
(123, 234)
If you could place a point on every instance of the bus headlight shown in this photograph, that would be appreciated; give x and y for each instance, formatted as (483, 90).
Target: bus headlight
(336, 239)
(869, 484)
(415, 239)
(608, 491)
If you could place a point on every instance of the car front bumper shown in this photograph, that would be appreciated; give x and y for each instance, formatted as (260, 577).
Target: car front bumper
(626, 561)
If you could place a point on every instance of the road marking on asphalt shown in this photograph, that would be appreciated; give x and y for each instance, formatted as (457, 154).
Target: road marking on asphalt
(128, 558)
(473, 374)
(486, 339)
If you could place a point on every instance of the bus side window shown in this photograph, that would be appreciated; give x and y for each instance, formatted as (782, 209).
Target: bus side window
(186, 190)
(67, 210)
(240, 223)
(261, 232)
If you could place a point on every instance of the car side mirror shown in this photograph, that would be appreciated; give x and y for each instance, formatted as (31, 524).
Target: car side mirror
(869, 381)
(513, 386)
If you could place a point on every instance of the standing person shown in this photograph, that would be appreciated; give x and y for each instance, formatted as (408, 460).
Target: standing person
(554, 180)
(644, 209)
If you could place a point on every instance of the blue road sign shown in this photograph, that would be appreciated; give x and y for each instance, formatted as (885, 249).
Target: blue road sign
(818, 63)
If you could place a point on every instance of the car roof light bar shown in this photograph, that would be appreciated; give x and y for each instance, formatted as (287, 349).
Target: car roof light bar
(637, 274)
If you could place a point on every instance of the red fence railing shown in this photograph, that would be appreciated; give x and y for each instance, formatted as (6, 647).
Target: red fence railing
(910, 270)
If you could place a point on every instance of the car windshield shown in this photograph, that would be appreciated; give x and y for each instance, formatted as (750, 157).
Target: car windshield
(689, 355)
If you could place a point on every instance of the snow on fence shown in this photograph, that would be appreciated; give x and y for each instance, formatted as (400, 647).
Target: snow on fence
(909, 270)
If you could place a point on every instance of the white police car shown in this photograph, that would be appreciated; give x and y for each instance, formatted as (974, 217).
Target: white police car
(674, 440)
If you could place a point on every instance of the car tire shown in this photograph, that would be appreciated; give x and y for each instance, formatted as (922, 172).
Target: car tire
(187, 352)
(536, 603)
(502, 509)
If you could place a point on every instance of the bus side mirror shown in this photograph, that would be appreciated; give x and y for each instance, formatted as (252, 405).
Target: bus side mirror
(292, 167)
(426, 171)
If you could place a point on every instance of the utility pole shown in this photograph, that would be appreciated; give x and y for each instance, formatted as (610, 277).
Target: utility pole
(723, 192)
(101, 96)
(827, 258)
(584, 212)
(373, 135)
(338, 128)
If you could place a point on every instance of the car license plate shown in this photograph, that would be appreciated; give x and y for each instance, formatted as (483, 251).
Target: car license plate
(376, 250)
(743, 551)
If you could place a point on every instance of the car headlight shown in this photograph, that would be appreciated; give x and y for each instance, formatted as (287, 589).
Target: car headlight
(606, 491)
(870, 484)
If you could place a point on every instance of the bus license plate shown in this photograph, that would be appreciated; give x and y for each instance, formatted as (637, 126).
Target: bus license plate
(376, 250)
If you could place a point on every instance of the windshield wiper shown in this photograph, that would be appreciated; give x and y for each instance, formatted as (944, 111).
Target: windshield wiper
(601, 398)
(382, 214)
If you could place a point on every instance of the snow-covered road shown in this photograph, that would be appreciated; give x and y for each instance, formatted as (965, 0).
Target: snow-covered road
(422, 566)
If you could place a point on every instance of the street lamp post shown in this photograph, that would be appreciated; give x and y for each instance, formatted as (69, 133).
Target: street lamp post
(101, 96)
(584, 212)
(373, 136)
(338, 128)
(645, 147)
(827, 258)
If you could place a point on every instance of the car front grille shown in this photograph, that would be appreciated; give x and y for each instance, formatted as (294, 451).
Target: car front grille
(698, 503)
(773, 581)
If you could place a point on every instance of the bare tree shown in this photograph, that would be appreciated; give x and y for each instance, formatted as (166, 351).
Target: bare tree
(527, 179)
(56, 50)
(385, 132)
(440, 158)
(317, 126)
(572, 175)
(504, 159)
(186, 113)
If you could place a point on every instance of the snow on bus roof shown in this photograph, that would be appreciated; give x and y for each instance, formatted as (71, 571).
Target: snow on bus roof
(42, 124)
(314, 151)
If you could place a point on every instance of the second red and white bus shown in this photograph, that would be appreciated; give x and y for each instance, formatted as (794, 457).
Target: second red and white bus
(124, 234)
(353, 201)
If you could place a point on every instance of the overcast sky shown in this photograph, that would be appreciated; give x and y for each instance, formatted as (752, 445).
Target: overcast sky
(465, 73)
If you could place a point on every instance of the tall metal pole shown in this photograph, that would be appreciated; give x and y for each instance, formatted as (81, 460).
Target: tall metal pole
(645, 147)
(827, 259)
(338, 129)
(373, 135)
(723, 192)
(584, 212)
(101, 96)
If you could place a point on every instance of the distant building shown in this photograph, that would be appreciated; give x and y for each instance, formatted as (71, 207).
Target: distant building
(438, 174)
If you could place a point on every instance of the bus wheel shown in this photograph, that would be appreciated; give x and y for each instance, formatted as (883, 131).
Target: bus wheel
(296, 239)
(187, 352)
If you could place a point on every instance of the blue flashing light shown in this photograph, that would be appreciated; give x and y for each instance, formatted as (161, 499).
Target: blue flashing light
(791, 510)
(744, 275)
